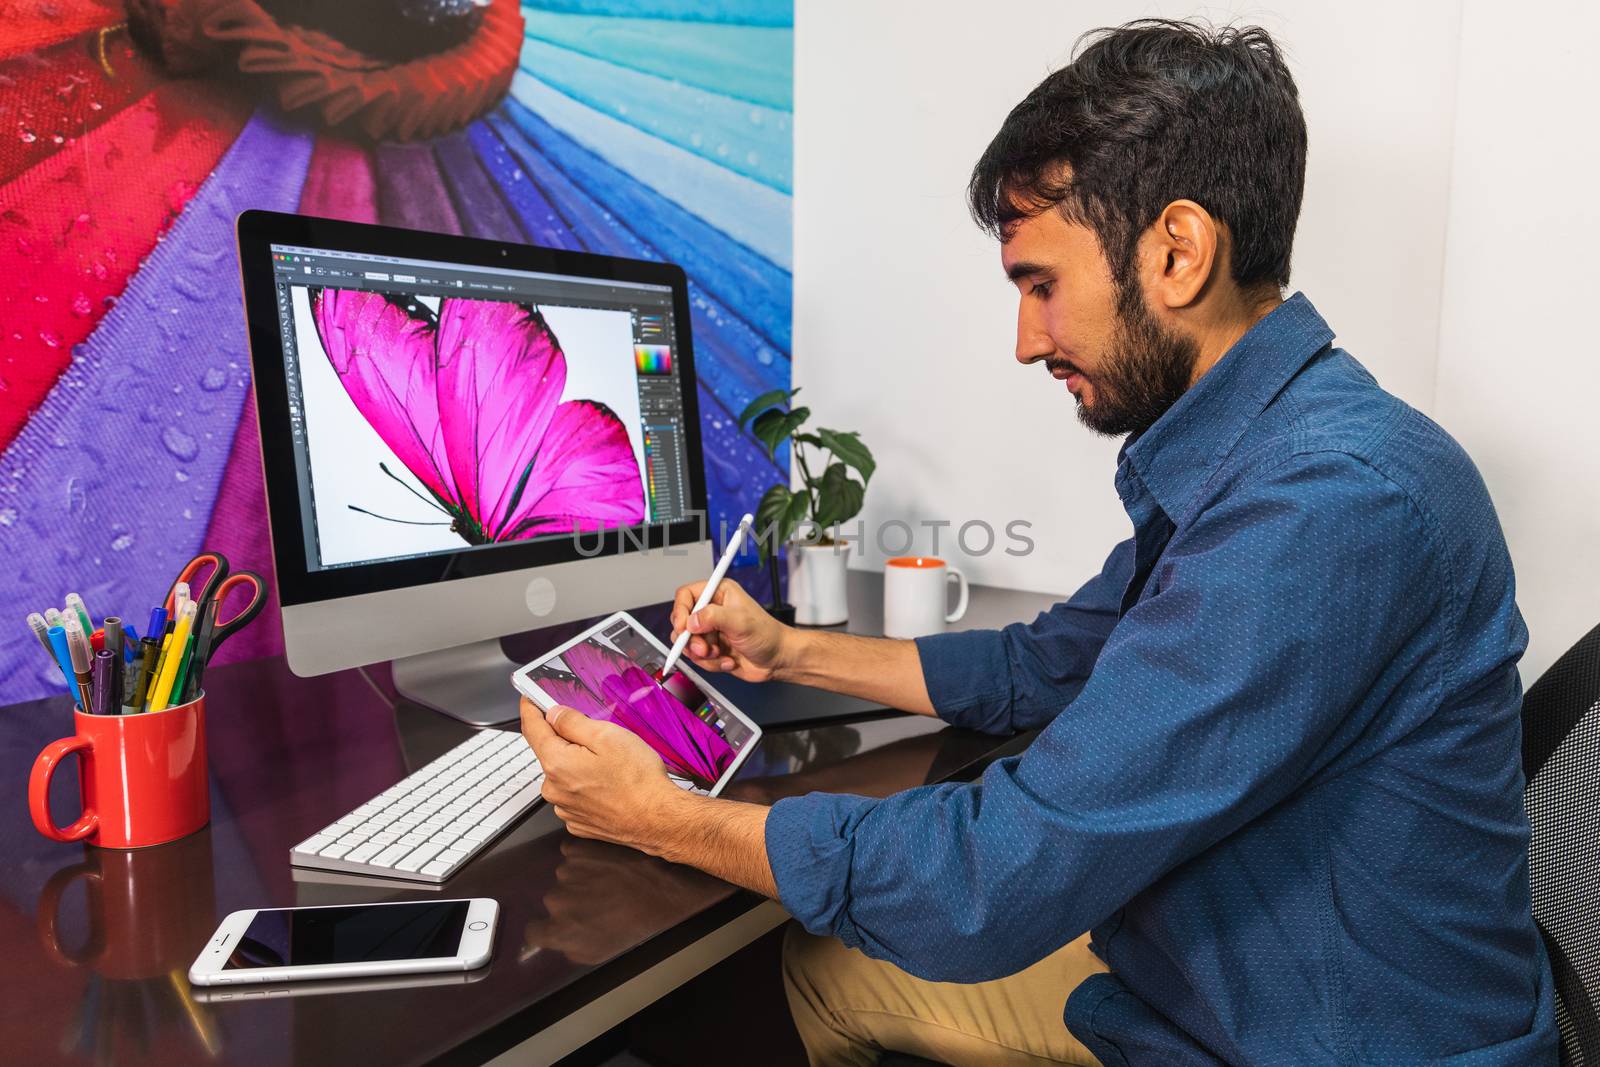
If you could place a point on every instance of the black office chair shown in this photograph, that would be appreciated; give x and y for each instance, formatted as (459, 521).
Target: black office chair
(1561, 758)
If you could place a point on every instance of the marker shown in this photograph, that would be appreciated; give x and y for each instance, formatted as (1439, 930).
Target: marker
(114, 637)
(141, 684)
(101, 688)
(78, 653)
(63, 654)
(97, 640)
(52, 617)
(130, 642)
(707, 593)
(174, 656)
(180, 597)
(41, 630)
(76, 606)
(158, 623)
(185, 665)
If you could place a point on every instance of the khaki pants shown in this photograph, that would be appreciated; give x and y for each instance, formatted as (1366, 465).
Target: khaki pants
(849, 1009)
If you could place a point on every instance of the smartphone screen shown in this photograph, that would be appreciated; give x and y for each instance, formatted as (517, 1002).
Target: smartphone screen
(295, 937)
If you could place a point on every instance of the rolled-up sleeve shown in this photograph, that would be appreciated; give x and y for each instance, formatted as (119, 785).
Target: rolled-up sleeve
(1020, 677)
(1256, 657)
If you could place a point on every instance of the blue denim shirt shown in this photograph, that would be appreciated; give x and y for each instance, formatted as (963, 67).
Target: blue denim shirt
(1279, 774)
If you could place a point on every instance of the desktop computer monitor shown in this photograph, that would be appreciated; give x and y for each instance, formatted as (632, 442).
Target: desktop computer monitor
(464, 439)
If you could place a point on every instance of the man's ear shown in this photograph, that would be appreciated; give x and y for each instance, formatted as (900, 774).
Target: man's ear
(1179, 253)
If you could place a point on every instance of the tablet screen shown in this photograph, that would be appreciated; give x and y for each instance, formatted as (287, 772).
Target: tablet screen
(610, 673)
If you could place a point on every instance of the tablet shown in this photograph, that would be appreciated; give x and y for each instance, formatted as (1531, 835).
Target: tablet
(609, 672)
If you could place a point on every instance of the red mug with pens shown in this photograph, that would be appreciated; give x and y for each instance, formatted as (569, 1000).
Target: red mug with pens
(140, 715)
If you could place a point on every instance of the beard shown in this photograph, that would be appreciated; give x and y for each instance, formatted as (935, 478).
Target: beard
(1143, 374)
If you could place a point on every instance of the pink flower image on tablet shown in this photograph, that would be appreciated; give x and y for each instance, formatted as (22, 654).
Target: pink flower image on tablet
(470, 401)
(605, 685)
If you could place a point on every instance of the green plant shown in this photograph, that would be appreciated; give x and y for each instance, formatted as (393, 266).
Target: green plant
(828, 498)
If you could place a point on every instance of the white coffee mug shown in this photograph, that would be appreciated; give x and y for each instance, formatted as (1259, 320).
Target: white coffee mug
(914, 596)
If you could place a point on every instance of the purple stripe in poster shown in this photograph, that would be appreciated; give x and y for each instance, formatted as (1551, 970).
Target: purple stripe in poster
(116, 473)
(482, 210)
(410, 191)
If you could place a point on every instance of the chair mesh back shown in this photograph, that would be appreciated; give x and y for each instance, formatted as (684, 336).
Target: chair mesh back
(1561, 758)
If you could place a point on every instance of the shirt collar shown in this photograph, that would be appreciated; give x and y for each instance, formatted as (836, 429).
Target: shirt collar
(1180, 451)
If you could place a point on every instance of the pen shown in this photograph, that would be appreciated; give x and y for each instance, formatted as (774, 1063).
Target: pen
(185, 665)
(180, 597)
(202, 649)
(158, 623)
(76, 606)
(58, 645)
(710, 590)
(169, 663)
(41, 630)
(114, 635)
(141, 685)
(52, 617)
(130, 642)
(78, 652)
(101, 693)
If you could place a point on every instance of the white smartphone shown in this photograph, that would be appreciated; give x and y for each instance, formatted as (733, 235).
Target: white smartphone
(612, 671)
(348, 941)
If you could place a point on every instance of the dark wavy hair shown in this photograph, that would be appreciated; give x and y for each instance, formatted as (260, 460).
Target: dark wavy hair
(1148, 113)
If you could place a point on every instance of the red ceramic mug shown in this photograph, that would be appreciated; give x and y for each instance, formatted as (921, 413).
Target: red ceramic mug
(142, 777)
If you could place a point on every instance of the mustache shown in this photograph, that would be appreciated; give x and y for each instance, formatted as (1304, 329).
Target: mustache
(1057, 365)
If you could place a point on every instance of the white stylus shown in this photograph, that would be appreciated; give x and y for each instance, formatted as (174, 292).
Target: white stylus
(708, 592)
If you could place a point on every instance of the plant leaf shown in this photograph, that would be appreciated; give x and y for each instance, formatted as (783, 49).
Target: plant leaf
(839, 496)
(772, 513)
(848, 447)
(770, 398)
(773, 427)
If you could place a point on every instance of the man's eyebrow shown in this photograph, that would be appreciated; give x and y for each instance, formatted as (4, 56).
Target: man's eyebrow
(1023, 269)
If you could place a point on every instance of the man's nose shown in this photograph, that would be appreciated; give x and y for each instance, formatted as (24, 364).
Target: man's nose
(1033, 340)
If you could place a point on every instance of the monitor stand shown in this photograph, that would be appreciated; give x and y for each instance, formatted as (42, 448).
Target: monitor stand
(471, 683)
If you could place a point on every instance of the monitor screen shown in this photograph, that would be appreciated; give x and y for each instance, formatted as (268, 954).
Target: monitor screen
(439, 408)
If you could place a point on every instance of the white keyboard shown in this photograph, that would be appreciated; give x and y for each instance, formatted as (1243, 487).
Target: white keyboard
(425, 827)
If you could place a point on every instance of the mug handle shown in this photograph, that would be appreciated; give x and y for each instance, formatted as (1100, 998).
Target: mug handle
(39, 791)
(50, 906)
(961, 596)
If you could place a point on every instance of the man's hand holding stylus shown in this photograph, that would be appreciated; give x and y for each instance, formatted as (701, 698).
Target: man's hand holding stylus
(732, 634)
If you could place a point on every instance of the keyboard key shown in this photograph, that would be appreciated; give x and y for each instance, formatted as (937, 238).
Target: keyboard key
(413, 839)
(335, 851)
(389, 856)
(314, 844)
(453, 855)
(423, 854)
(436, 867)
(364, 853)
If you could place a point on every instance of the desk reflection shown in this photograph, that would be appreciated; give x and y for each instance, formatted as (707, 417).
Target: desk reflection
(144, 913)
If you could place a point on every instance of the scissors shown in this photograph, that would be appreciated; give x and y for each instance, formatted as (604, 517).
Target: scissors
(210, 630)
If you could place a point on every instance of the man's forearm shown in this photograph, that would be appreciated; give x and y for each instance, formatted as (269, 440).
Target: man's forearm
(885, 671)
(726, 838)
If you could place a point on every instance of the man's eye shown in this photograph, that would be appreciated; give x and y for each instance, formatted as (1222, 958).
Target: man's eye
(1042, 290)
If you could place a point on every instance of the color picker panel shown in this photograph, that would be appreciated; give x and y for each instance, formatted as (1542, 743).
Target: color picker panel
(653, 359)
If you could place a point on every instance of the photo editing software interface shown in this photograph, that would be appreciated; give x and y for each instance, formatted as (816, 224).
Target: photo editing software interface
(444, 407)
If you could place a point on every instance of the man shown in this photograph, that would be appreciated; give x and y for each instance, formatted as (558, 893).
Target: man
(1278, 775)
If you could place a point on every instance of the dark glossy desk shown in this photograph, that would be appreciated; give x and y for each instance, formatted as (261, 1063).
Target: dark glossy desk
(96, 943)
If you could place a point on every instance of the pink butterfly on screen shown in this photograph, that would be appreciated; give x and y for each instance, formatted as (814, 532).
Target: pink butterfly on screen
(605, 685)
(470, 402)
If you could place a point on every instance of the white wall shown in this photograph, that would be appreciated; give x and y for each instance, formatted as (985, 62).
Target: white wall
(1519, 362)
(904, 325)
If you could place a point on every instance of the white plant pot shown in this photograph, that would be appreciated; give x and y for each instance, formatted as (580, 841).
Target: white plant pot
(817, 584)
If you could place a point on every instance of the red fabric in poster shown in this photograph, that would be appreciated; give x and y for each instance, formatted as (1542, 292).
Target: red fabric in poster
(30, 25)
(74, 228)
(51, 98)
(339, 185)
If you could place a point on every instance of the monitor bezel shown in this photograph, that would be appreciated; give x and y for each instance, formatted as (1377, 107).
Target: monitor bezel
(297, 582)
